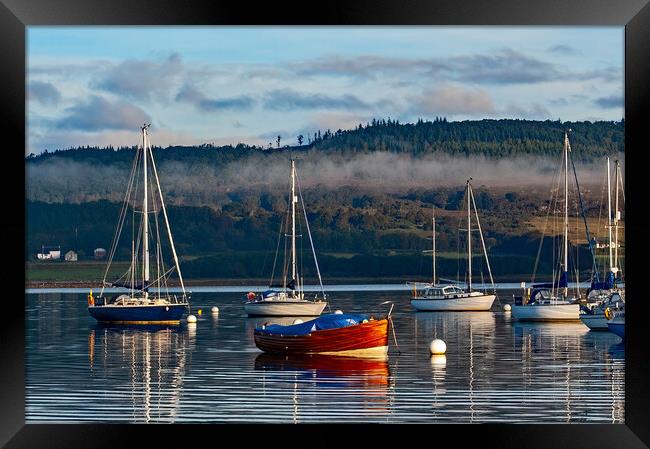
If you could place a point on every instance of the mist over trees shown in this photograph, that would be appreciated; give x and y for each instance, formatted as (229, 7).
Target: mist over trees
(383, 155)
(369, 193)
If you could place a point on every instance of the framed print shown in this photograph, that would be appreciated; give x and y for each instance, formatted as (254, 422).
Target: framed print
(378, 213)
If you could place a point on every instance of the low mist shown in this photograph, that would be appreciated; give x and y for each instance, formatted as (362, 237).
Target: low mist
(57, 180)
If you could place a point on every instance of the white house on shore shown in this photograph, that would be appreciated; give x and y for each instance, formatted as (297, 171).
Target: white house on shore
(71, 256)
(49, 253)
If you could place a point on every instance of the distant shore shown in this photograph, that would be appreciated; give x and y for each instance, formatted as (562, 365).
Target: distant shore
(259, 281)
(216, 282)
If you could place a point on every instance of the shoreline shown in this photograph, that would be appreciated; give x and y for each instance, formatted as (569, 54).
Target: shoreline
(259, 281)
(216, 282)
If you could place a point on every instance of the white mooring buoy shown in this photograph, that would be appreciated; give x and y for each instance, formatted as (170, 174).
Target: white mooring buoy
(438, 347)
(191, 319)
(297, 321)
(215, 309)
(507, 308)
(338, 312)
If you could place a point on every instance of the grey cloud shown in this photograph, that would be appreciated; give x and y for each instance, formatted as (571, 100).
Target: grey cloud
(362, 66)
(93, 67)
(504, 67)
(189, 94)
(101, 114)
(241, 102)
(44, 93)
(609, 74)
(563, 49)
(452, 100)
(287, 99)
(611, 102)
(140, 79)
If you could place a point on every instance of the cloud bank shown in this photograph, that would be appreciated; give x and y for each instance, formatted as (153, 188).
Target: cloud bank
(99, 114)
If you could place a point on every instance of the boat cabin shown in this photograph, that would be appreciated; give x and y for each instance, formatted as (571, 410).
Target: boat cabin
(448, 291)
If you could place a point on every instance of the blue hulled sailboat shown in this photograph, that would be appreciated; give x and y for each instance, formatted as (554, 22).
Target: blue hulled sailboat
(146, 298)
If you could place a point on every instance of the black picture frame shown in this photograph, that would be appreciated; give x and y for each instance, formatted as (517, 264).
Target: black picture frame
(16, 15)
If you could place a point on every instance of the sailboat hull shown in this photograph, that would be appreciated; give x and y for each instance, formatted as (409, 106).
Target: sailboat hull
(284, 308)
(139, 314)
(365, 339)
(617, 326)
(470, 303)
(595, 322)
(546, 312)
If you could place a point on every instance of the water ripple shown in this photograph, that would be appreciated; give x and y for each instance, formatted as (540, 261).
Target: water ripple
(495, 369)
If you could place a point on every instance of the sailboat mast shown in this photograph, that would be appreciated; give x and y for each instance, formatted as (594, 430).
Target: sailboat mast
(617, 214)
(609, 214)
(469, 239)
(293, 220)
(433, 235)
(145, 216)
(566, 212)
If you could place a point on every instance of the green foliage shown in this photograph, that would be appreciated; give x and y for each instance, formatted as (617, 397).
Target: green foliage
(488, 137)
(385, 231)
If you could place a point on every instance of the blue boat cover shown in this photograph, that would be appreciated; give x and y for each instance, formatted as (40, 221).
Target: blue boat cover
(329, 321)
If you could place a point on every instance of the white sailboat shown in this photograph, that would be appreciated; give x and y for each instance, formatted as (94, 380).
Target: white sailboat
(436, 297)
(147, 298)
(605, 298)
(551, 301)
(288, 298)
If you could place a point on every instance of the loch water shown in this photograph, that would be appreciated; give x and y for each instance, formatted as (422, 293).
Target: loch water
(495, 370)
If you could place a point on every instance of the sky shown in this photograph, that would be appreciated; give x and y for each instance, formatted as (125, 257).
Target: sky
(225, 85)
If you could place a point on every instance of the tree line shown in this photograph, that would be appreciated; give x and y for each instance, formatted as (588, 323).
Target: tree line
(489, 137)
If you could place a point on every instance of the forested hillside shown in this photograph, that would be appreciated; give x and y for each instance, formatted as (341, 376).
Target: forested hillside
(369, 193)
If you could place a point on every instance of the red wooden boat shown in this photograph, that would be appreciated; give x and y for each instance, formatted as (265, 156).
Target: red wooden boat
(343, 334)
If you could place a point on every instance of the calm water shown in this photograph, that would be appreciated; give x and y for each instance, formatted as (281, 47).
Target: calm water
(495, 369)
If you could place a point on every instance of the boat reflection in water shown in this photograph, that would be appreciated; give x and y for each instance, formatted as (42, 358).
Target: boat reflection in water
(459, 379)
(556, 360)
(145, 365)
(361, 385)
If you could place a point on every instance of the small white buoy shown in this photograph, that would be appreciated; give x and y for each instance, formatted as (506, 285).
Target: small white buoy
(215, 309)
(338, 312)
(438, 347)
(297, 321)
(507, 308)
(191, 319)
